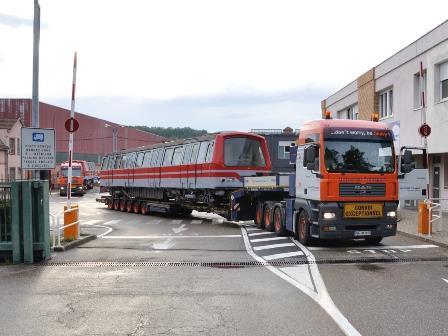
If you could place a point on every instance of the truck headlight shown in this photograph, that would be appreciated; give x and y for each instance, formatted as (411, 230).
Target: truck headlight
(329, 215)
(391, 214)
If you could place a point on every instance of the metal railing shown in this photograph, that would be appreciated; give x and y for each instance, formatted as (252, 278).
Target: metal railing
(5, 212)
(432, 207)
(56, 227)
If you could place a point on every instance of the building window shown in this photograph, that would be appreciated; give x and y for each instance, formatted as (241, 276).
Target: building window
(349, 113)
(284, 149)
(443, 70)
(386, 103)
(418, 101)
(12, 174)
(12, 146)
(18, 146)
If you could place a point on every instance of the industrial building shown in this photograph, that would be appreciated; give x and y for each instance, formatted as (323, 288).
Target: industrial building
(393, 89)
(94, 138)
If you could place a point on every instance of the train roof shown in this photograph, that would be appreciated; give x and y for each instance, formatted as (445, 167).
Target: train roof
(178, 142)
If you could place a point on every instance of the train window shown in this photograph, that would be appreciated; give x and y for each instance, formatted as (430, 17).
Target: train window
(131, 161)
(111, 163)
(140, 157)
(147, 159)
(155, 155)
(202, 152)
(160, 157)
(208, 158)
(243, 152)
(104, 163)
(168, 156)
(194, 153)
(124, 161)
(178, 155)
(187, 153)
(117, 161)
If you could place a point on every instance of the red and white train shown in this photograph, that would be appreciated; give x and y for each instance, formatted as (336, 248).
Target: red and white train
(184, 175)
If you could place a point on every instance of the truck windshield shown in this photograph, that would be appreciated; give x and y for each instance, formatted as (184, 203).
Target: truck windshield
(75, 171)
(351, 156)
(243, 152)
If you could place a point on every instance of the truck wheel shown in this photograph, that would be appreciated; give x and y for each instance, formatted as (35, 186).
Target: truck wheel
(136, 207)
(259, 216)
(122, 205)
(374, 240)
(116, 204)
(279, 222)
(268, 225)
(303, 228)
(129, 206)
(110, 204)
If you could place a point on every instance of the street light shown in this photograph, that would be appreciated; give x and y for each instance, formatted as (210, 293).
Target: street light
(114, 136)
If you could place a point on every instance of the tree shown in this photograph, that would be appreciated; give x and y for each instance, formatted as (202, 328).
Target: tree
(172, 132)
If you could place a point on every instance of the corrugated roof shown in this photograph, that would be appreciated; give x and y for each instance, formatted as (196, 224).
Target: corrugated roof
(3, 147)
(7, 123)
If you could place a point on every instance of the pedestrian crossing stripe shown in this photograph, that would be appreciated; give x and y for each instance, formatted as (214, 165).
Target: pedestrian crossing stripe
(283, 255)
(259, 233)
(272, 246)
(267, 239)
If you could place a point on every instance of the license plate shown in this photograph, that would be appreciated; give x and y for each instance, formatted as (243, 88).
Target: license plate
(362, 233)
(363, 210)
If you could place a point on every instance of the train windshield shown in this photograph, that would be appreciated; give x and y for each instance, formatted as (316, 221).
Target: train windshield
(351, 156)
(243, 152)
(75, 171)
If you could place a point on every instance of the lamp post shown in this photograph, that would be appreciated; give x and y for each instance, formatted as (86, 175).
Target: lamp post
(114, 136)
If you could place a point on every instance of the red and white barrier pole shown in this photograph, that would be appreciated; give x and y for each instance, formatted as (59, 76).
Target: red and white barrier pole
(70, 139)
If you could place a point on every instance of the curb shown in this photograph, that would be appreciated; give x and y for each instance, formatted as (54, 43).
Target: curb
(73, 244)
(421, 238)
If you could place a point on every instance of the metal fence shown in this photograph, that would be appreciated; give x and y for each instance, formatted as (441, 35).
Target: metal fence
(5, 212)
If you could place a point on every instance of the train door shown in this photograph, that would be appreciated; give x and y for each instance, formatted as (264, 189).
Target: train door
(185, 167)
(192, 166)
(131, 167)
(159, 164)
(138, 165)
(200, 179)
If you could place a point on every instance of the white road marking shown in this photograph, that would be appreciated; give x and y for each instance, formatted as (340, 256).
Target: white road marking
(282, 255)
(91, 222)
(266, 239)
(404, 247)
(268, 247)
(180, 229)
(320, 296)
(166, 236)
(167, 244)
(176, 221)
(253, 229)
(196, 221)
(259, 233)
(301, 274)
(445, 280)
(112, 222)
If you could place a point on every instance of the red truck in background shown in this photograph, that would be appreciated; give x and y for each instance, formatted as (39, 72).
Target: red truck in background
(83, 177)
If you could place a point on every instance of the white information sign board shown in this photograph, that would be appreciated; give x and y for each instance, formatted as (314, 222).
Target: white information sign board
(38, 148)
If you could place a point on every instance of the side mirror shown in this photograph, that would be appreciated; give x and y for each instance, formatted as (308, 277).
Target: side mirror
(407, 157)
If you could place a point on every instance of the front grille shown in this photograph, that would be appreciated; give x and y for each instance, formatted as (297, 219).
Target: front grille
(362, 190)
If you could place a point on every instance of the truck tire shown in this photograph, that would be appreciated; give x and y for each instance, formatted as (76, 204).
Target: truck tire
(122, 205)
(279, 222)
(144, 209)
(128, 206)
(259, 215)
(136, 207)
(116, 204)
(303, 228)
(110, 204)
(268, 223)
(373, 240)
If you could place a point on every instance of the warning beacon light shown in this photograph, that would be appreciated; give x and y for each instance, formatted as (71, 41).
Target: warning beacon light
(328, 115)
(375, 117)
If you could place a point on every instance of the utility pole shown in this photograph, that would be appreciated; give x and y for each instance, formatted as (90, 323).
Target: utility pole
(35, 103)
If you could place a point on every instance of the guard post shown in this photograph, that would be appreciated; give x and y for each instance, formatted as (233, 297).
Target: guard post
(423, 218)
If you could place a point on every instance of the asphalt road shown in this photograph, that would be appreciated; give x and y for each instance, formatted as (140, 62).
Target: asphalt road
(159, 275)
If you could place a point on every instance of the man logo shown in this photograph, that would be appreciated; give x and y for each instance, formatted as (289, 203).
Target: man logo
(362, 188)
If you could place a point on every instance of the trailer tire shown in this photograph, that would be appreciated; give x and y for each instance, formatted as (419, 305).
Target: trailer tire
(303, 228)
(268, 223)
(116, 204)
(129, 206)
(259, 216)
(279, 220)
(110, 204)
(136, 207)
(144, 209)
(122, 205)
(373, 240)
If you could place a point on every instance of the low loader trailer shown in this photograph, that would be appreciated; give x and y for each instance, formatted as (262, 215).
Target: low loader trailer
(347, 184)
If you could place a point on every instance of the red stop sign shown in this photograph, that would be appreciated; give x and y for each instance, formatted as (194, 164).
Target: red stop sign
(424, 130)
(71, 125)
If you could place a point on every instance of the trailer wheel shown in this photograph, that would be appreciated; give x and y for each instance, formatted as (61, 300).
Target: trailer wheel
(374, 240)
(259, 216)
(117, 204)
(144, 209)
(136, 207)
(122, 205)
(110, 204)
(279, 222)
(129, 206)
(303, 228)
(268, 225)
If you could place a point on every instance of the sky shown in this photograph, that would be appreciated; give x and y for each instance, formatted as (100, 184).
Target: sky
(211, 64)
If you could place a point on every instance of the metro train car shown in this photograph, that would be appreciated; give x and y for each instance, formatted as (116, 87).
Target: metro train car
(184, 175)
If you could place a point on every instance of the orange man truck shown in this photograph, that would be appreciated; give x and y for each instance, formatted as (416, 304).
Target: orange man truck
(83, 177)
(347, 184)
